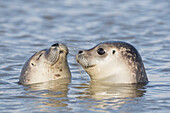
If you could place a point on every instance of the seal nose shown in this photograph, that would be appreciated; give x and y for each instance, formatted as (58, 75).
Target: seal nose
(80, 52)
(56, 44)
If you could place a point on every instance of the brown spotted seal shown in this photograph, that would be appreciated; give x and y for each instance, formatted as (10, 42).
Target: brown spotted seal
(116, 61)
(45, 65)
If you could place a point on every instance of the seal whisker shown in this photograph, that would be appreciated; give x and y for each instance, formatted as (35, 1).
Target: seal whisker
(80, 70)
(72, 54)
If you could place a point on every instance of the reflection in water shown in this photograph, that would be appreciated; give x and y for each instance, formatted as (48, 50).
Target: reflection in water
(54, 93)
(112, 96)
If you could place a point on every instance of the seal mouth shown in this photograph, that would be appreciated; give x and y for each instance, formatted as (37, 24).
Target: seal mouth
(87, 67)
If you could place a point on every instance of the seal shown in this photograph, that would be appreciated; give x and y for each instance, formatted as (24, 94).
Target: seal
(45, 65)
(116, 61)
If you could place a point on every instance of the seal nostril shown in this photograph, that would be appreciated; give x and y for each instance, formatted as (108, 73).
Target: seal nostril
(80, 52)
(61, 51)
(56, 44)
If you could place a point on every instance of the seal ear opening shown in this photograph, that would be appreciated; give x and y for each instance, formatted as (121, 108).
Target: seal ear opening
(33, 64)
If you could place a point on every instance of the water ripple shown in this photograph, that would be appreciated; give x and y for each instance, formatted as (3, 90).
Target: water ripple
(81, 25)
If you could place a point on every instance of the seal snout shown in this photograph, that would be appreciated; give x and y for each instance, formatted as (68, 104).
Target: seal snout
(79, 56)
(61, 47)
(83, 60)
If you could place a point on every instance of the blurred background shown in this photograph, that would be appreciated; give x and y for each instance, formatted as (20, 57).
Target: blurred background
(27, 26)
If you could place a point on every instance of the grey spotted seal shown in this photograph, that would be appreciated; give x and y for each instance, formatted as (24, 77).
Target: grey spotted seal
(45, 65)
(116, 61)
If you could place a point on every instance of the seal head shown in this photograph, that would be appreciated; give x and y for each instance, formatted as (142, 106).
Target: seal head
(45, 65)
(117, 62)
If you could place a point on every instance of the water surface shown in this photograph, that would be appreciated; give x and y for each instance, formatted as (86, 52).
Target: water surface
(27, 26)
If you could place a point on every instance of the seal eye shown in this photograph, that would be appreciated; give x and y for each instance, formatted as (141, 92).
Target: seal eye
(100, 51)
